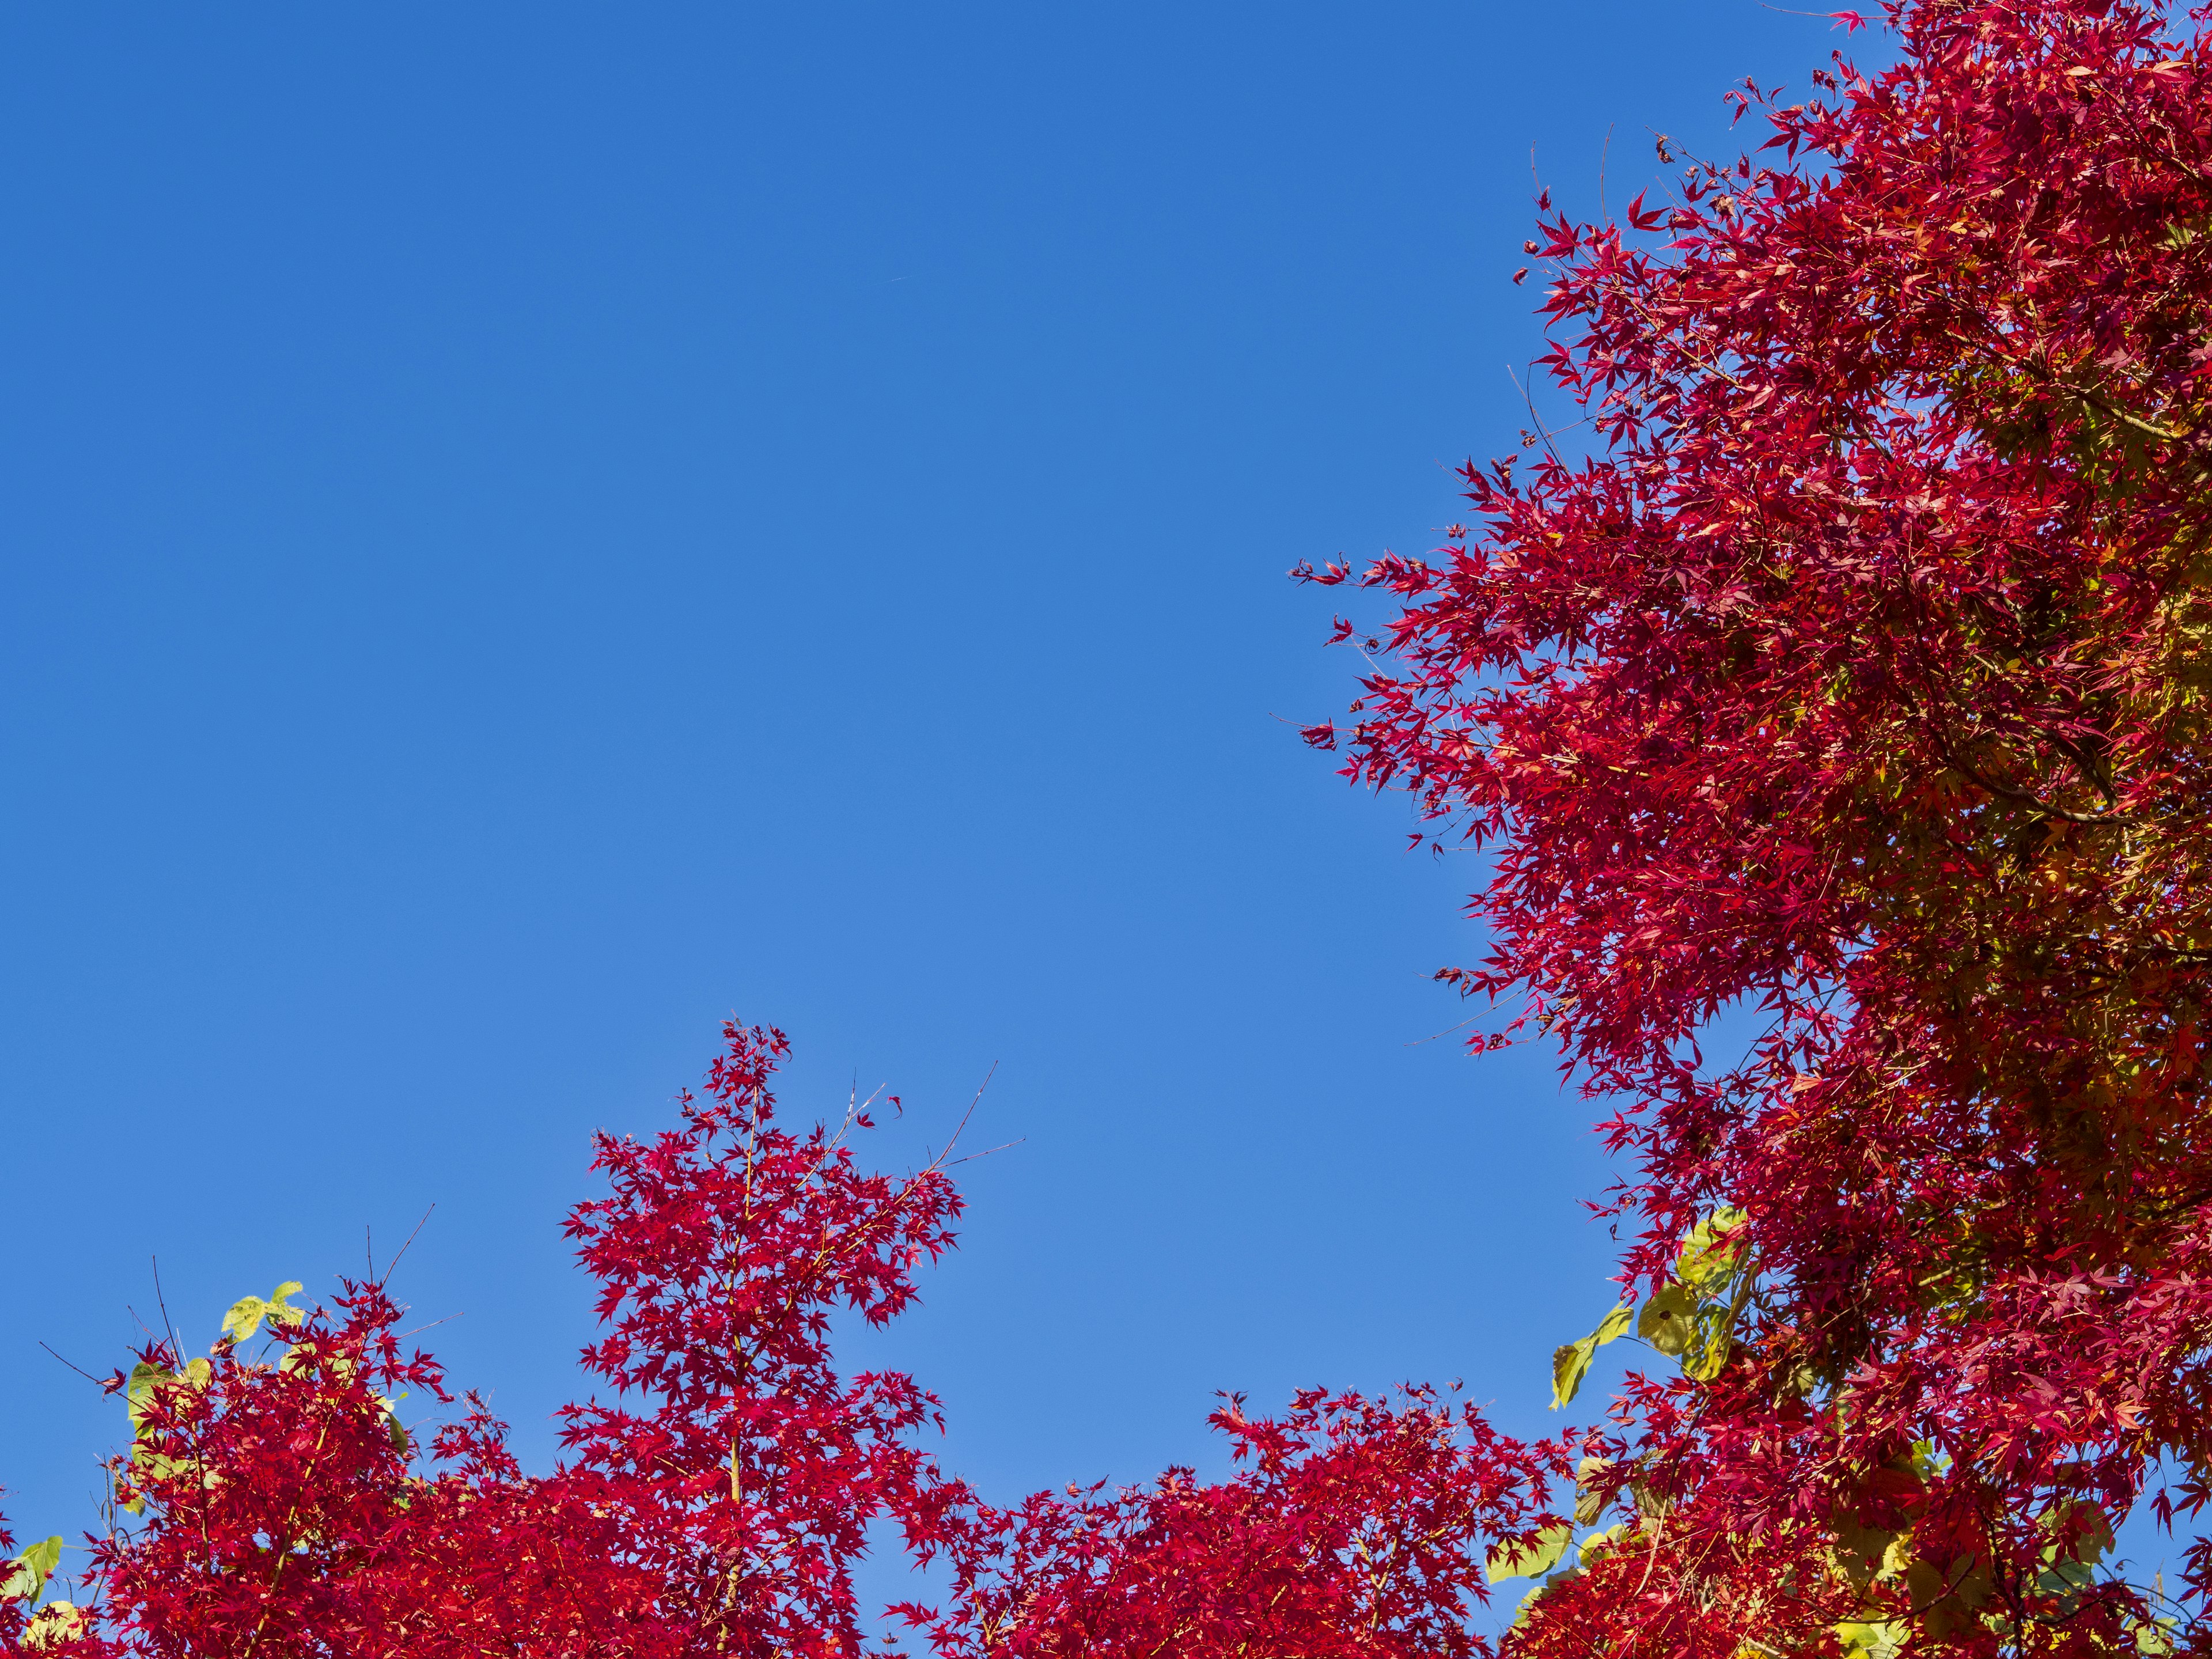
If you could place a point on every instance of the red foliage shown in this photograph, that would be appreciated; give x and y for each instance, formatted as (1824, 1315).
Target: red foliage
(1858, 683)
(725, 1247)
(719, 1505)
(284, 1516)
(1351, 1535)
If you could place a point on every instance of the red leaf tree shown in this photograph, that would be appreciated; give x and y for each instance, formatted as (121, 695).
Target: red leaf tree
(1852, 692)
(274, 1503)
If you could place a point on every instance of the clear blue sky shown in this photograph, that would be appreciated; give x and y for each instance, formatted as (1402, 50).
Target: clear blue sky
(529, 528)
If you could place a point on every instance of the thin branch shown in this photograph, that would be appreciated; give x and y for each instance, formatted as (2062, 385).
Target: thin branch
(391, 1267)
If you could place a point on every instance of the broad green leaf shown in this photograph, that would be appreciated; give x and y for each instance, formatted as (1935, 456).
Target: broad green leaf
(148, 1466)
(305, 1357)
(280, 1313)
(2092, 1539)
(1879, 1639)
(1707, 1352)
(2154, 1637)
(2066, 1576)
(1616, 1323)
(1568, 1365)
(1570, 1362)
(1866, 1553)
(1530, 1560)
(1588, 1500)
(32, 1569)
(249, 1313)
(145, 1380)
(59, 1621)
(1707, 1261)
(1667, 1320)
(243, 1318)
(1598, 1542)
(145, 1377)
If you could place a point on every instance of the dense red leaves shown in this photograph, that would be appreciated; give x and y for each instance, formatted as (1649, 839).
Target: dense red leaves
(718, 1503)
(1853, 694)
(1353, 1532)
(723, 1249)
(282, 1517)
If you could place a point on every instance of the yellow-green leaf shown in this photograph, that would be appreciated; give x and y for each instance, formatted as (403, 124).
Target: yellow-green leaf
(1568, 1363)
(32, 1569)
(1598, 1542)
(249, 1313)
(1707, 1260)
(1590, 1502)
(145, 1377)
(394, 1426)
(1879, 1639)
(62, 1621)
(1529, 1560)
(1667, 1319)
(1616, 1323)
(1706, 1354)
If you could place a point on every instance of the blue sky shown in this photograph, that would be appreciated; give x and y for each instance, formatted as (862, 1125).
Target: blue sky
(530, 529)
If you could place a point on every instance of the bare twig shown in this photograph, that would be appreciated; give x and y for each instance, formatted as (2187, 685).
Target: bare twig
(392, 1266)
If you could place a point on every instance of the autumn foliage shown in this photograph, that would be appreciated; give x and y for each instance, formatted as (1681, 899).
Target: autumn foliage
(1826, 702)
(1853, 692)
(275, 1500)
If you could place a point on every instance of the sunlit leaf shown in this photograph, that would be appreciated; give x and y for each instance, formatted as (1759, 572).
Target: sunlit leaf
(1667, 1319)
(31, 1570)
(1568, 1363)
(1529, 1560)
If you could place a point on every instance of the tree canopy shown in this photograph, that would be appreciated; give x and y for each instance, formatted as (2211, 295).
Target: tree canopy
(1840, 673)
(1856, 685)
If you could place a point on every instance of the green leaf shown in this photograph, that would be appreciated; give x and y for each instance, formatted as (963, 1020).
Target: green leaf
(1707, 1352)
(2066, 1576)
(1877, 1640)
(1864, 1551)
(1616, 1323)
(1530, 1560)
(32, 1569)
(59, 1621)
(1706, 1262)
(1589, 1501)
(249, 1313)
(394, 1426)
(1668, 1320)
(144, 1379)
(2090, 1540)
(2152, 1637)
(243, 1318)
(1598, 1542)
(1568, 1365)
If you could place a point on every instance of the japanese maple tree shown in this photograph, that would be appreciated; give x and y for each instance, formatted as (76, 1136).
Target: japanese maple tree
(1842, 675)
(280, 1497)
(1851, 683)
